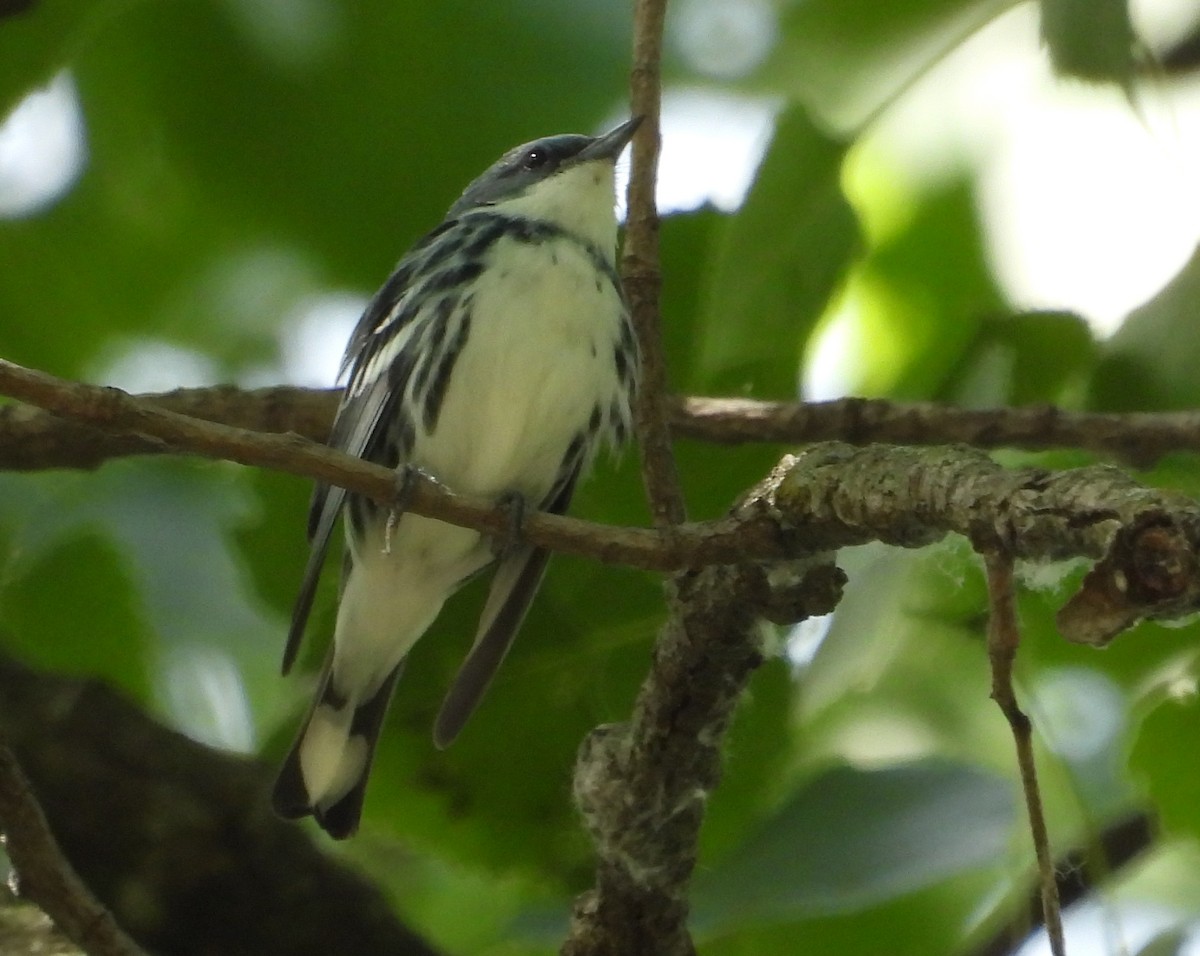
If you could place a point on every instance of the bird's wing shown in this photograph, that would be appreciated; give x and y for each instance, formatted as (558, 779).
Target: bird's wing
(517, 577)
(374, 389)
(327, 503)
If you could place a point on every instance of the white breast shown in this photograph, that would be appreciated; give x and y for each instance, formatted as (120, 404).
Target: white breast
(538, 360)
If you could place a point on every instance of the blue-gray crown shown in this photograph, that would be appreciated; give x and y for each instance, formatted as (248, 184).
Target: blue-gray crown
(531, 163)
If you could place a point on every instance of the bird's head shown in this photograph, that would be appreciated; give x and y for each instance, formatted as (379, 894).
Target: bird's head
(567, 180)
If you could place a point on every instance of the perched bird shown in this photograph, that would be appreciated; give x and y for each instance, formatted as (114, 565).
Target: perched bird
(497, 359)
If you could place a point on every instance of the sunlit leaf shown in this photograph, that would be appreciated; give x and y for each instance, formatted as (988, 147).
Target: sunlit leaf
(846, 58)
(777, 263)
(932, 290)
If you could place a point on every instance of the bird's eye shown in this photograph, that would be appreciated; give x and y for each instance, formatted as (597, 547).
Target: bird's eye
(536, 158)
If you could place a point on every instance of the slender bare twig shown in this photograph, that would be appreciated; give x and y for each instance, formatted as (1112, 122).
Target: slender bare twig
(44, 875)
(640, 268)
(1118, 847)
(1138, 438)
(32, 439)
(1003, 639)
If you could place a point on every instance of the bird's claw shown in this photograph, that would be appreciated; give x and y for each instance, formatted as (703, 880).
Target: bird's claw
(514, 504)
(407, 479)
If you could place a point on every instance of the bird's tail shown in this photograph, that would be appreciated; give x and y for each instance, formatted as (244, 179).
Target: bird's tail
(325, 773)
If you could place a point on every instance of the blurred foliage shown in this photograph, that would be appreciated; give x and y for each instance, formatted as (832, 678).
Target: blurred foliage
(776, 264)
(244, 156)
(1148, 364)
(1103, 53)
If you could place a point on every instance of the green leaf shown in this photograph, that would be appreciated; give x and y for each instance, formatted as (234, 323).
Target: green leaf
(1171, 729)
(1167, 943)
(1150, 362)
(37, 43)
(777, 263)
(74, 610)
(686, 241)
(272, 540)
(932, 292)
(845, 59)
(1024, 359)
(1090, 39)
(166, 526)
(930, 922)
(854, 837)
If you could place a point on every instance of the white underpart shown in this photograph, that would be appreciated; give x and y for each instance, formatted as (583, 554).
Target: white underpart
(330, 759)
(540, 353)
(538, 359)
(388, 602)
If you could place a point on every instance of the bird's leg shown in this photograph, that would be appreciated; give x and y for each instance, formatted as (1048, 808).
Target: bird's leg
(407, 478)
(513, 502)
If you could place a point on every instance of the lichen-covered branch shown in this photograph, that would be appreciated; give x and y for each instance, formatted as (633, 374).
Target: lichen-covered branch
(642, 786)
(1148, 541)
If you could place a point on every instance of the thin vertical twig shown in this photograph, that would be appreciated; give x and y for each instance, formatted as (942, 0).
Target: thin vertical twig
(1003, 639)
(641, 271)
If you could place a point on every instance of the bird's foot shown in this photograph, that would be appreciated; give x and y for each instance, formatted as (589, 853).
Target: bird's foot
(408, 477)
(514, 504)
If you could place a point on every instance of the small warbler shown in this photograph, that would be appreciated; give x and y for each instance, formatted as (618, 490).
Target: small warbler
(497, 358)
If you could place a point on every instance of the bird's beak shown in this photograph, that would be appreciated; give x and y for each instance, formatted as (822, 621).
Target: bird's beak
(609, 145)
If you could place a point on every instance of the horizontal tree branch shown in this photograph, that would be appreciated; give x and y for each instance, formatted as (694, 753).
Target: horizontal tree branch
(115, 411)
(1136, 438)
(32, 439)
(829, 497)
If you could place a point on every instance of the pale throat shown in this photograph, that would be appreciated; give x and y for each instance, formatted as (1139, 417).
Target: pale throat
(579, 200)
